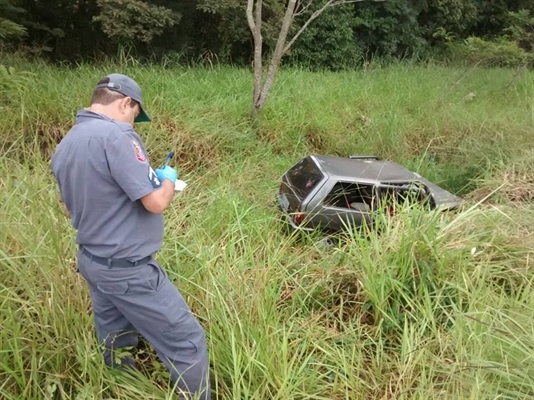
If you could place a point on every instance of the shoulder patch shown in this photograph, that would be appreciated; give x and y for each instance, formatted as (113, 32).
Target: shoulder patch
(139, 154)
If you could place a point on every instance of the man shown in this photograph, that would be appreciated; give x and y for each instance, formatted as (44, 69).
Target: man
(115, 201)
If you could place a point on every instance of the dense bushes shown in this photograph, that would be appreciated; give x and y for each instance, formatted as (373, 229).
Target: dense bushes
(512, 49)
(329, 42)
(500, 53)
(499, 32)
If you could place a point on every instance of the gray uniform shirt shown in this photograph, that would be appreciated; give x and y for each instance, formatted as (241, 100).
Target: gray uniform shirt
(102, 170)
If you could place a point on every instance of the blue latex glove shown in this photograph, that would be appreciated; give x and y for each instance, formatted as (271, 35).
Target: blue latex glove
(166, 173)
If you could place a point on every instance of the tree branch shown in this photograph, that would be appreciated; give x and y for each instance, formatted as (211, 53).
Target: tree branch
(329, 3)
(250, 17)
(302, 9)
(278, 51)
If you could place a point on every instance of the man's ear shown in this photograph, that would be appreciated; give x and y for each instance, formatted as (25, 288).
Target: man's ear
(126, 102)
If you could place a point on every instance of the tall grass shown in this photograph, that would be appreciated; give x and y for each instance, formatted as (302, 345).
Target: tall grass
(433, 306)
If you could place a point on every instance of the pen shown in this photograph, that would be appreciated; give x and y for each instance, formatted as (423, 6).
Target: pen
(168, 158)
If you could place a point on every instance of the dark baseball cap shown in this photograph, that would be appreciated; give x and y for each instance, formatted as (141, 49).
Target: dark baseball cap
(128, 87)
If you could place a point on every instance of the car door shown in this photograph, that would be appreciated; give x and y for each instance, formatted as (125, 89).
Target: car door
(345, 205)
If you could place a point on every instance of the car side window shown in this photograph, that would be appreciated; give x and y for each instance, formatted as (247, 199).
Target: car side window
(404, 194)
(351, 195)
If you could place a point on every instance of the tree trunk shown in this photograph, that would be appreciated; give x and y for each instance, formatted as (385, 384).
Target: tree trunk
(261, 90)
(254, 23)
(276, 57)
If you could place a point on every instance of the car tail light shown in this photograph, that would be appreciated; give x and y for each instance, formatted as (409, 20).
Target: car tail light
(298, 217)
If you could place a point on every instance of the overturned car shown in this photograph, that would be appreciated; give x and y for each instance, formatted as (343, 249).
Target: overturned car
(331, 193)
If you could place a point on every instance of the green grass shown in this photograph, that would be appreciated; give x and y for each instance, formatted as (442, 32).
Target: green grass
(436, 306)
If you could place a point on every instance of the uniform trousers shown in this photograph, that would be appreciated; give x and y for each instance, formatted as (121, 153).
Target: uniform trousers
(142, 300)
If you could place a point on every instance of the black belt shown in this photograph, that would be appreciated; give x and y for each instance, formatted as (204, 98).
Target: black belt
(116, 262)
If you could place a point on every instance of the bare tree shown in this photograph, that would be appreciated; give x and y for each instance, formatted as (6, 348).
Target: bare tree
(262, 85)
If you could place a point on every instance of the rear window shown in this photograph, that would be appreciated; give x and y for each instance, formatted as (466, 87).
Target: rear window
(304, 177)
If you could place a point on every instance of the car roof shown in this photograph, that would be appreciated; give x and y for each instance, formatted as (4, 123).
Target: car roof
(365, 169)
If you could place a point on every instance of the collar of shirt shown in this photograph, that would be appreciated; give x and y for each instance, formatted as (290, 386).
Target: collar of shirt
(87, 115)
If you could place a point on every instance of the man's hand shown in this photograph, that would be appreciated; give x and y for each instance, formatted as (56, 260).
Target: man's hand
(167, 173)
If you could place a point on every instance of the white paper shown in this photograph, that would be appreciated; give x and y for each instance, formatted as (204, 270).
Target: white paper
(179, 185)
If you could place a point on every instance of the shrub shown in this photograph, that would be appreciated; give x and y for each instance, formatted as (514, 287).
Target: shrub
(522, 29)
(502, 52)
(12, 83)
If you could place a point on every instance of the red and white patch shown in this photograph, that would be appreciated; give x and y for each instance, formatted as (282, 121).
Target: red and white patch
(139, 152)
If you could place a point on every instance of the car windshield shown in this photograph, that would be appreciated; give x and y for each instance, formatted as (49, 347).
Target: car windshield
(304, 177)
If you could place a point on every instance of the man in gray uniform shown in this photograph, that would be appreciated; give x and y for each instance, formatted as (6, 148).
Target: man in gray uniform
(115, 201)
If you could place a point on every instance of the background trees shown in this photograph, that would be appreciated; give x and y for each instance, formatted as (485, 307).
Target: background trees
(193, 30)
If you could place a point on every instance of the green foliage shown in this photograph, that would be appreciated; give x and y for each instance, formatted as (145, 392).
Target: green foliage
(13, 83)
(328, 42)
(521, 29)
(229, 31)
(493, 17)
(513, 48)
(499, 53)
(134, 20)
(211, 30)
(233, 23)
(388, 28)
(457, 16)
(232, 32)
(63, 29)
(9, 29)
